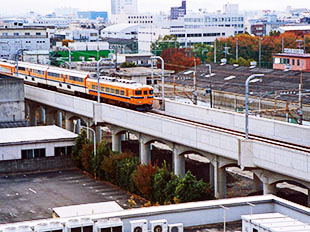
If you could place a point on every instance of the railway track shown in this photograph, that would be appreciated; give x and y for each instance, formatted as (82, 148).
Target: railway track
(296, 147)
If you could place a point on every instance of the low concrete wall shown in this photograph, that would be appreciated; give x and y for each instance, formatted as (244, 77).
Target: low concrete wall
(35, 165)
(278, 130)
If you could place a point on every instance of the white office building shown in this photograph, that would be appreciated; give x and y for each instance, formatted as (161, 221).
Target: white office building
(13, 39)
(121, 31)
(124, 7)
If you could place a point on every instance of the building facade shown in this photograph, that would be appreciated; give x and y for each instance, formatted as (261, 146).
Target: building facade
(27, 38)
(292, 59)
(178, 12)
(93, 15)
(124, 7)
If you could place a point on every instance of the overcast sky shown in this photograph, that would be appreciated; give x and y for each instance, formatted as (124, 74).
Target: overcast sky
(48, 6)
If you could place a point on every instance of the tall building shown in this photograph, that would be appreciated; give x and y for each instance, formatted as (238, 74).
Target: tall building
(93, 15)
(124, 6)
(177, 12)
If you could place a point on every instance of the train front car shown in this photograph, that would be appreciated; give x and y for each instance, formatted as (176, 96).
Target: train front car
(143, 98)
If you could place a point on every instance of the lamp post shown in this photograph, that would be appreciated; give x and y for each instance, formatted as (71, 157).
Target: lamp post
(70, 66)
(259, 52)
(247, 102)
(98, 78)
(210, 90)
(18, 53)
(203, 52)
(162, 80)
(94, 133)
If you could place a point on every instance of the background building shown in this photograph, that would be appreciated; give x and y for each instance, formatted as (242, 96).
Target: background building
(124, 7)
(177, 12)
(29, 38)
(93, 15)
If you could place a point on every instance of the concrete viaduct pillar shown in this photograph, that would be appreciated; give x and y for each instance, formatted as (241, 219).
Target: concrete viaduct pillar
(50, 117)
(116, 142)
(145, 153)
(59, 118)
(257, 184)
(270, 188)
(33, 115)
(98, 134)
(178, 161)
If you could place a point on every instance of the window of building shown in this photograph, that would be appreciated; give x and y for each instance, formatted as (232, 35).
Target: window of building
(63, 151)
(33, 153)
(298, 62)
(27, 33)
(5, 34)
(38, 33)
(293, 61)
(16, 34)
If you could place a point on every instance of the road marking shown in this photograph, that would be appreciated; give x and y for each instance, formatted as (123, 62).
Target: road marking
(30, 189)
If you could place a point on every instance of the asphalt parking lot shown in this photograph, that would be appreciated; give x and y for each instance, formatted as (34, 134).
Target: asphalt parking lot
(29, 197)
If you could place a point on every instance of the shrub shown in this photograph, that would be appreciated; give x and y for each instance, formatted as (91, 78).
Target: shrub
(144, 179)
(170, 188)
(161, 180)
(86, 156)
(124, 168)
(77, 149)
(189, 189)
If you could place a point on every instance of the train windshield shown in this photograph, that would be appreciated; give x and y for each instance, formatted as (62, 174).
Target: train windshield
(138, 92)
(145, 92)
(151, 92)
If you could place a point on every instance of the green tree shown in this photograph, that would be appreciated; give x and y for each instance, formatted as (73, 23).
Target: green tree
(189, 189)
(124, 169)
(162, 43)
(80, 140)
(161, 180)
(170, 189)
(201, 50)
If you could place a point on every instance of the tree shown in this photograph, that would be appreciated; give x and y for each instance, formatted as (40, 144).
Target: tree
(144, 179)
(189, 189)
(201, 50)
(161, 178)
(162, 43)
(80, 140)
(178, 59)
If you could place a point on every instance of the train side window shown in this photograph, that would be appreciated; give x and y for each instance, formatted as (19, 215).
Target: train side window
(151, 92)
(94, 87)
(107, 90)
(68, 86)
(122, 92)
(117, 91)
(102, 89)
(145, 92)
(60, 85)
(112, 90)
(32, 79)
(138, 92)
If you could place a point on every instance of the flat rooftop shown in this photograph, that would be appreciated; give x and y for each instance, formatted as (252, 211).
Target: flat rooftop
(20, 135)
(33, 196)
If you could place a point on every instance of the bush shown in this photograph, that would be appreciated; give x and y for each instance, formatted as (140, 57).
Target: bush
(161, 180)
(189, 189)
(86, 156)
(77, 149)
(144, 180)
(124, 168)
(170, 188)
(128, 65)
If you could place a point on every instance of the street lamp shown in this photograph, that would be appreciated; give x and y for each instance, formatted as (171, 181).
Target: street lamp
(210, 87)
(94, 133)
(247, 102)
(98, 78)
(203, 52)
(162, 80)
(18, 53)
(69, 55)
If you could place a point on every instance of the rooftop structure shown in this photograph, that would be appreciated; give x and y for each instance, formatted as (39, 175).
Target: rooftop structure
(93, 15)
(87, 209)
(292, 59)
(35, 142)
(124, 7)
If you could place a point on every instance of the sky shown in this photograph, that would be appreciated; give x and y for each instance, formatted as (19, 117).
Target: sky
(9, 7)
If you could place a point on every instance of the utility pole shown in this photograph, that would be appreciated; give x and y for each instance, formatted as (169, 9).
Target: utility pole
(282, 44)
(260, 53)
(237, 49)
(304, 43)
(214, 51)
(300, 99)
(195, 84)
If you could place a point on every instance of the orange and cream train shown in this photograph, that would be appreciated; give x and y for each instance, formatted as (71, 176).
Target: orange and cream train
(121, 92)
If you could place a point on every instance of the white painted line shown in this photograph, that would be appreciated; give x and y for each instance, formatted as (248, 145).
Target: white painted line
(30, 189)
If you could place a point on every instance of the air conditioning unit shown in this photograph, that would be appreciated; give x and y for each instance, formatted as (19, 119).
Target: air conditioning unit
(103, 225)
(116, 225)
(175, 227)
(138, 225)
(159, 226)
